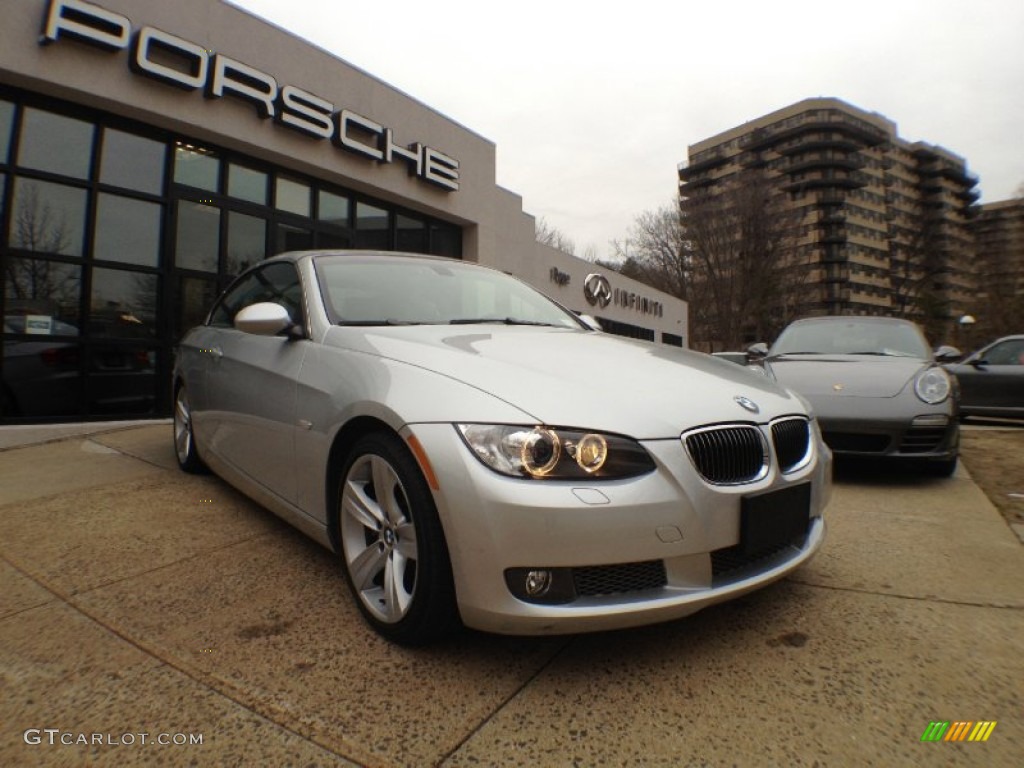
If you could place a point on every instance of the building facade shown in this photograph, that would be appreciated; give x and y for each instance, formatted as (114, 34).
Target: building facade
(999, 238)
(150, 151)
(878, 225)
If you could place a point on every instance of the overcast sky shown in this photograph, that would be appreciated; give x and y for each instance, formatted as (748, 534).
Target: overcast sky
(592, 105)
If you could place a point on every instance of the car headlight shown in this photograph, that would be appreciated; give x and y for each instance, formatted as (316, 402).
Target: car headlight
(932, 385)
(559, 454)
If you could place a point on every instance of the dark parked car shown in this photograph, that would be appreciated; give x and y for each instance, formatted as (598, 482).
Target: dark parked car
(874, 385)
(992, 379)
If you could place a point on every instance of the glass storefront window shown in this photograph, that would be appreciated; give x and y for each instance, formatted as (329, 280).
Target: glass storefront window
(127, 230)
(371, 227)
(411, 234)
(6, 128)
(333, 209)
(446, 240)
(198, 237)
(196, 167)
(288, 238)
(193, 298)
(247, 242)
(55, 143)
(333, 240)
(123, 304)
(121, 379)
(132, 162)
(41, 377)
(47, 217)
(95, 324)
(247, 184)
(291, 196)
(41, 297)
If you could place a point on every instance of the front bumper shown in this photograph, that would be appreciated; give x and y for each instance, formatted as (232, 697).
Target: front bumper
(669, 519)
(888, 427)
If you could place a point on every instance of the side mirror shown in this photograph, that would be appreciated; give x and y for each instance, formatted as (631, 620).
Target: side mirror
(758, 350)
(263, 319)
(979, 363)
(946, 354)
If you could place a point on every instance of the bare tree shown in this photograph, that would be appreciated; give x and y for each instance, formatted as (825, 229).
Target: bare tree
(744, 272)
(654, 251)
(548, 234)
(36, 227)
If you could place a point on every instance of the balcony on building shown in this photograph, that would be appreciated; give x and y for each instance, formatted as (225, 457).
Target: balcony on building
(837, 273)
(826, 159)
(832, 120)
(827, 140)
(702, 162)
(830, 179)
(833, 233)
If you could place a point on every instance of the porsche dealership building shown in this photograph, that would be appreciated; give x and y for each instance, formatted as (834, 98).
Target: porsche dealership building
(150, 151)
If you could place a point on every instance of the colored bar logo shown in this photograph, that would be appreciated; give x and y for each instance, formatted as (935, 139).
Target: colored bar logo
(959, 730)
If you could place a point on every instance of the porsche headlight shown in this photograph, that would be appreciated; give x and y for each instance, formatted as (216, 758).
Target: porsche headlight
(558, 454)
(932, 385)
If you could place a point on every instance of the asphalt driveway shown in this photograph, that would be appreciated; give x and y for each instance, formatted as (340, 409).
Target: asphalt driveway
(139, 604)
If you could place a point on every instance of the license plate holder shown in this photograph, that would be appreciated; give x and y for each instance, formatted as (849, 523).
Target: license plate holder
(770, 520)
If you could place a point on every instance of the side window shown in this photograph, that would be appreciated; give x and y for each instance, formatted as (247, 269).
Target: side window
(278, 283)
(1007, 353)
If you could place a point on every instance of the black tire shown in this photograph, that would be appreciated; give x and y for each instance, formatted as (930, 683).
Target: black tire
(184, 435)
(391, 543)
(7, 404)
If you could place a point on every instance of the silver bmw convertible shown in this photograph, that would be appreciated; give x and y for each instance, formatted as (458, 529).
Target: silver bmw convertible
(477, 454)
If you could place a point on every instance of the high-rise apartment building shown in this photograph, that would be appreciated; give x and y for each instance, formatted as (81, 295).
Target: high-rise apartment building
(999, 239)
(875, 225)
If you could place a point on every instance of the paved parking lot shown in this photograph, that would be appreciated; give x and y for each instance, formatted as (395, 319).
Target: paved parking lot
(136, 600)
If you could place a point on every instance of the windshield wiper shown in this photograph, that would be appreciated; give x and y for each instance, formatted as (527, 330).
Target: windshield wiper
(880, 353)
(388, 321)
(499, 321)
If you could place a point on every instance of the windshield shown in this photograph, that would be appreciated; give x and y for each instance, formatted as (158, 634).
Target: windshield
(410, 291)
(852, 337)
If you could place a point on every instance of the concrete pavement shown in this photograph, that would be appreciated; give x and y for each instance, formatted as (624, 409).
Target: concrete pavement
(136, 600)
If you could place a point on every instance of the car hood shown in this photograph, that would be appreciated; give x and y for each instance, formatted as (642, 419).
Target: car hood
(581, 379)
(846, 375)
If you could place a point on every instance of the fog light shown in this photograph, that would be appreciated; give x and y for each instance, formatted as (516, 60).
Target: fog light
(537, 583)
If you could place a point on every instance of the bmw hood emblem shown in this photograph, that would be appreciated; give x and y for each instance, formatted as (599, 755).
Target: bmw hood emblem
(747, 403)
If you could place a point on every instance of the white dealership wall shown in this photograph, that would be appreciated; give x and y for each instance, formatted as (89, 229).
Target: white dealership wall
(496, 231)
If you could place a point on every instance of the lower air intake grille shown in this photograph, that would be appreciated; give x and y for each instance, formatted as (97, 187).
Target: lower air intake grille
(615, 579)
(851, 442)
(728, 455)
(922, 439)
(731, 562)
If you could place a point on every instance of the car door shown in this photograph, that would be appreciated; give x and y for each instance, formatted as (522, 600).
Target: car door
(251, 382)
(993, 380)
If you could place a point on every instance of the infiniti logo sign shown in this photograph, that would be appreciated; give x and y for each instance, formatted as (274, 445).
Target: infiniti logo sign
(597, 290)
(747, 403)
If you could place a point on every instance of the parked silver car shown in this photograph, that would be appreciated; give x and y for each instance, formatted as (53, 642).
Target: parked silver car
(475, 452)
(874, 385)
